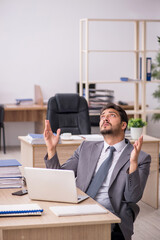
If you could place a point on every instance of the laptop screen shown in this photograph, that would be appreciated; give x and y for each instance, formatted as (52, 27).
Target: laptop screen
(51, 184)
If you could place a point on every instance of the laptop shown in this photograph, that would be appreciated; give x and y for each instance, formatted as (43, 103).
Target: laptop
(52, 185)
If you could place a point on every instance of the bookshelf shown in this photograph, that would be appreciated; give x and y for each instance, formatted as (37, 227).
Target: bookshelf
(140, 47)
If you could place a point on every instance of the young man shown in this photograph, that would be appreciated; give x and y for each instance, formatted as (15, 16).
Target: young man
(125, 181)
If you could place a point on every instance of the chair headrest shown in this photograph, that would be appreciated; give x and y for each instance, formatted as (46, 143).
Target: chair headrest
(67, 102)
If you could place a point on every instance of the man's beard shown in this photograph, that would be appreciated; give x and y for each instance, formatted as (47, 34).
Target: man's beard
(106, 132)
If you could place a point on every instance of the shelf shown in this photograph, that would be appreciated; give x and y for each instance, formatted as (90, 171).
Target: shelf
(153, 111)
(109, 51)
(139, 49)
(153, 81)
(114, 82)
(117, 51)
(118, 20)
(132, 112)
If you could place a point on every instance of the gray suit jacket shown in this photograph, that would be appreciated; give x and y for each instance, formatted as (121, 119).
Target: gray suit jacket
(125, 190)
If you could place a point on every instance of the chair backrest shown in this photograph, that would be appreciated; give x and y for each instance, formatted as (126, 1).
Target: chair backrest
(69, 112)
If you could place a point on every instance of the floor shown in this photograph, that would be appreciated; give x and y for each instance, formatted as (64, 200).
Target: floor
(147, 225)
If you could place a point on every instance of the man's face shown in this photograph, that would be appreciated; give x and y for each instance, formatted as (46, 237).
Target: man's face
(110, 122)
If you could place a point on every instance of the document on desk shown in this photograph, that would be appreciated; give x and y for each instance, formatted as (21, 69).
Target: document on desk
(73, 210)
(35, 138)
(20, 210)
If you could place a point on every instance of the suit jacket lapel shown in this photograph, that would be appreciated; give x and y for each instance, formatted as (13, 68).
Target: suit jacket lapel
(124, 158)
(94, 157)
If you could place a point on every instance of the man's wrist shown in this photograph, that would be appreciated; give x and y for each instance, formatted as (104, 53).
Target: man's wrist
(51, 153)
(133, 167)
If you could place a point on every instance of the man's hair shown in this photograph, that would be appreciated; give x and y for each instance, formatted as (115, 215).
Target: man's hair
(121, 111)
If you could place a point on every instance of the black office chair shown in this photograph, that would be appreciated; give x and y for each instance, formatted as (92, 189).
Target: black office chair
(2, 127)
(69, 112)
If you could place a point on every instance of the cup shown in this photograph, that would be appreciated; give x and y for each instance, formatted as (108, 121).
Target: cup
(66, 135)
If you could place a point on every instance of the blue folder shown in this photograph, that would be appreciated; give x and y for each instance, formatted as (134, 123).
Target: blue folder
(9, 163)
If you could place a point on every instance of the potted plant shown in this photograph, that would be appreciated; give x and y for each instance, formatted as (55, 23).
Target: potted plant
(136, 126)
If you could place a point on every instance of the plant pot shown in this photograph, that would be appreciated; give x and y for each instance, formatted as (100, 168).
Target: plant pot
(136, 133)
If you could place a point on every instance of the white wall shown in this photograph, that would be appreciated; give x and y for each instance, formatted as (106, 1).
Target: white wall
(39, 44)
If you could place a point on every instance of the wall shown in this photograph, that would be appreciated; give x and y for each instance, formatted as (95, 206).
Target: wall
(39, 44)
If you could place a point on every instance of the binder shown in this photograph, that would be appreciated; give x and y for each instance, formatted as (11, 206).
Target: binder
(140, 68)
(148, 68)
(20, 210)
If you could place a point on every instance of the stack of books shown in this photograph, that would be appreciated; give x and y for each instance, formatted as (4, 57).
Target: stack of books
(98, 98)
(10, 175)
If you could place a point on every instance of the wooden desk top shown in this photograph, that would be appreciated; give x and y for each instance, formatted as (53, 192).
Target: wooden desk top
(48, 218)
(146, 139)
(71, 142)
(21, 107)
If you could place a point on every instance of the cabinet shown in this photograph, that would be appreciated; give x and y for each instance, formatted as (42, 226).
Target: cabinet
(142, 43)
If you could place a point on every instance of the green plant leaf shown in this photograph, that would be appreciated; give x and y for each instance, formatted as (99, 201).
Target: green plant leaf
(136, 122)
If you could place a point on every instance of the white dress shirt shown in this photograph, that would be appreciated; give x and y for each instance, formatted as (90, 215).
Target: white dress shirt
(102, 195)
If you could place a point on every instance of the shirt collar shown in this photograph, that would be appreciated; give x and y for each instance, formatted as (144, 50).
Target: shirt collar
(118, 146)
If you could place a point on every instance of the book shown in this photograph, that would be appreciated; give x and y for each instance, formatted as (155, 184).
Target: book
(10, 175)
(20, 210)
(74, 210)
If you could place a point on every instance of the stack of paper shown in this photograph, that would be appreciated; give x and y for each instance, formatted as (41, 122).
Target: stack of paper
(34, 138)
(99, 98)
(24, 101)
(10, 175)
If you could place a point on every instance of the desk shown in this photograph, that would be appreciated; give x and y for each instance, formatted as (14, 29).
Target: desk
(26, 113)
(49, 226)
(33, 155)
